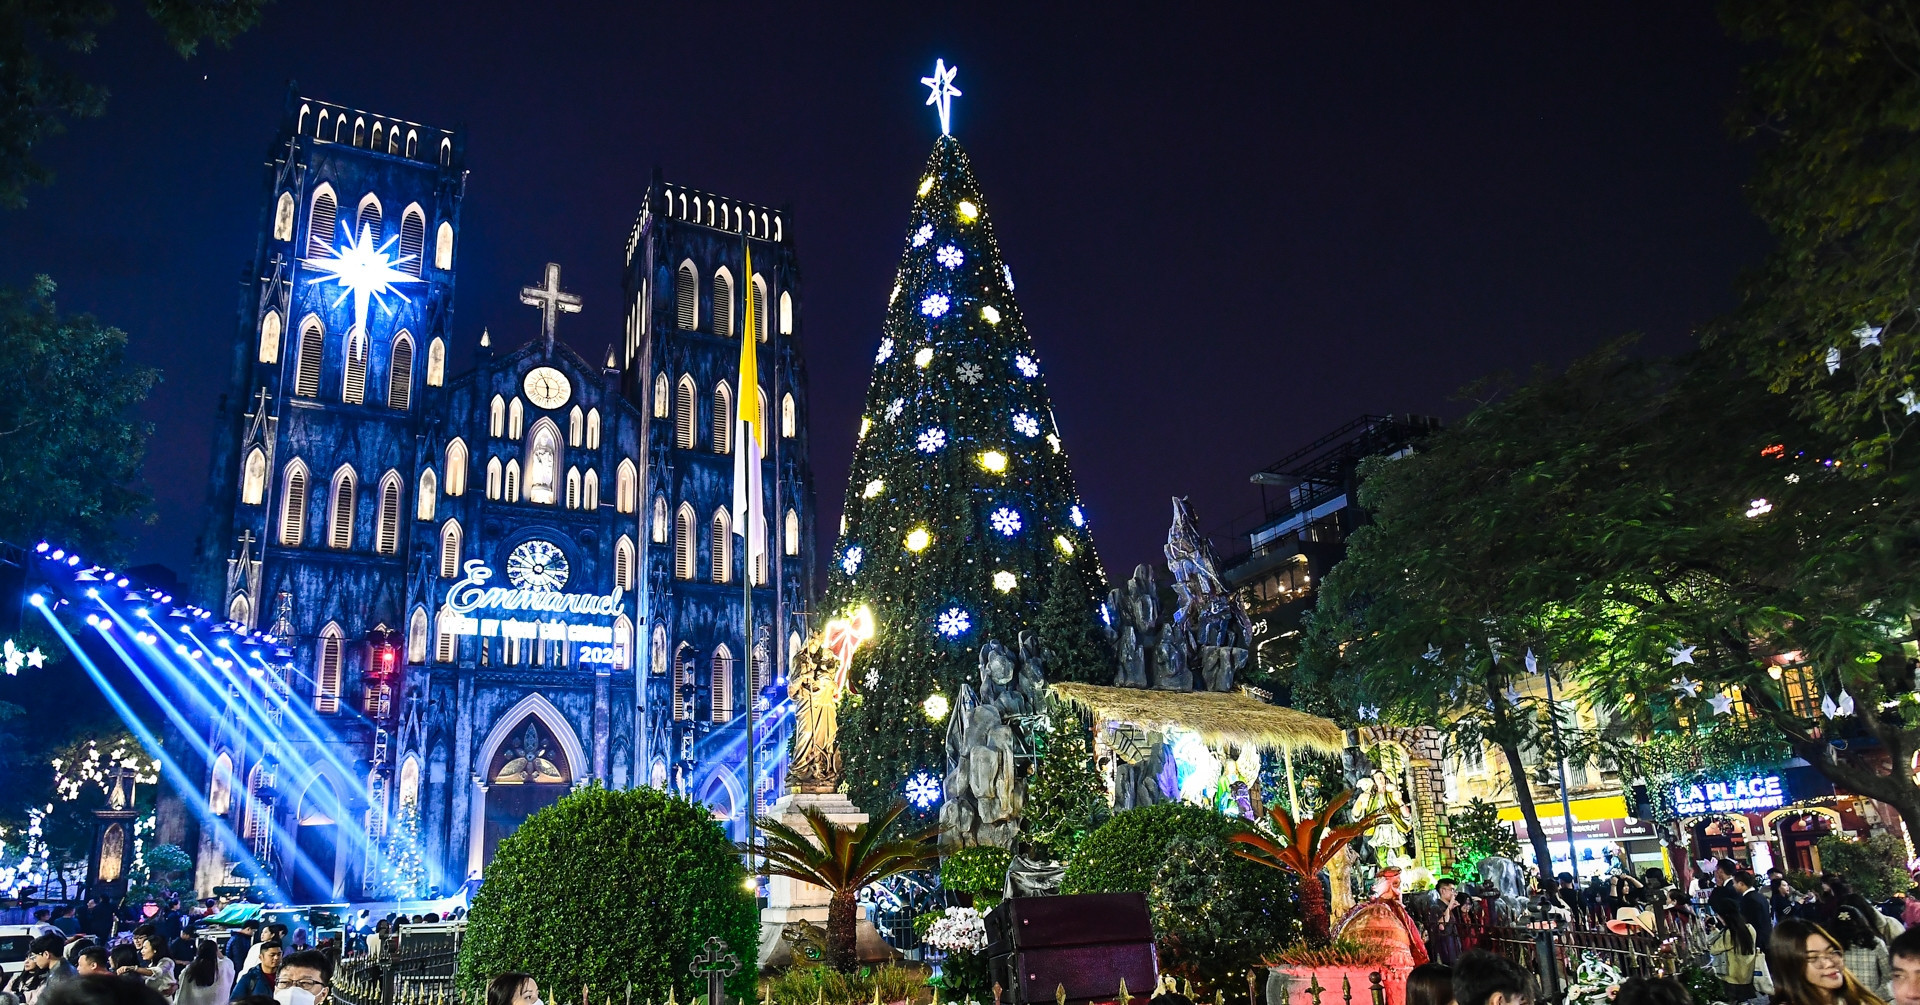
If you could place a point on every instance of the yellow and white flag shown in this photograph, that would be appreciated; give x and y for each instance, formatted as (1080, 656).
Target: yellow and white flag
(747, 519)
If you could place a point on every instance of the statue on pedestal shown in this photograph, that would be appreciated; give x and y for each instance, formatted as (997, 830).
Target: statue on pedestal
(814, 687)
(988, 741)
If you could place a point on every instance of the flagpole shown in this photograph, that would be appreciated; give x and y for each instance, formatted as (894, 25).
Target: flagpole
(747, 334)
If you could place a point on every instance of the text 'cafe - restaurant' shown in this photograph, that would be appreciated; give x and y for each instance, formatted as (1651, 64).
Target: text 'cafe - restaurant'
(1765, 819)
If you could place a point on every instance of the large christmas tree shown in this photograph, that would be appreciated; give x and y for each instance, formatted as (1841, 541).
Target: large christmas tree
(962, 523)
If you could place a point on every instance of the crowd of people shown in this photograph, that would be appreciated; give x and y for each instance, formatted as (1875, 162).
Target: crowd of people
(1761, 939)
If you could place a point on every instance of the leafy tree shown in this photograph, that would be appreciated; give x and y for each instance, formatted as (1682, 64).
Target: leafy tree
(1477, 833)
(1066, 795)
(1305, 847)
(38, 96)
(604, 888)
(843, 861)
(979, 871)
(70, 455)
(1876, 868)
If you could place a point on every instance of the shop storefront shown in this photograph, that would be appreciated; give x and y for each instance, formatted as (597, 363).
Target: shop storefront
(1604, 836)
(1772, 818)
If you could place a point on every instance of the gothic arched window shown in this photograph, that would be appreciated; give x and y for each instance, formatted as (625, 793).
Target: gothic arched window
(497, 417)
(323, 217)
(543, 462)
(493, 478)
(516, 415)
(590, 490)
(722, 551)
(400, 373)
(623, 563)
(625, 493)
(683, 420)
(429, 495)
(413, 239)
(791, 540)
(722, 418)
(283, 217)
(722, 302)
(220, 792)
(788, 421)
(757, 289)
(687, 295)
(445, 643)
(340, 510)
(593, 429)
(293, 504)
(306, 366)
(329, 654)
(576, 426)
(240, 611)
(450, 550)
(387, 540)
(353, 389)
(786, 313)
(443, 246)
(253, 477)
(684, 544)
(369, 218)
(573, 488)
(513, 480)
(660, 400)
(417, 636)
(457, 467)
(270, 337)
(436, 363)
(683, 682)
(660, 519)
(722, 684)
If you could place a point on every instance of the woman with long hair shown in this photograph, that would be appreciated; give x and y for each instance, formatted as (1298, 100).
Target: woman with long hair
(208, 979)
(1430, 984)
(153, 967)
(1730, 941)
(1809, 968)
(1867, 958)
(513, 988)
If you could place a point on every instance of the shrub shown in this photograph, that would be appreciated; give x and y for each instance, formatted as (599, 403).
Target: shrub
(812, 985)
(603, 888)
(1124, 854)
(1876, 867)
(980, 872)
(1217, 915)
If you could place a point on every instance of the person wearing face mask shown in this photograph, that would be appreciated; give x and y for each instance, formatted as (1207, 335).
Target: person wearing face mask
(304, 979)
(1809, 968)
(513, 988)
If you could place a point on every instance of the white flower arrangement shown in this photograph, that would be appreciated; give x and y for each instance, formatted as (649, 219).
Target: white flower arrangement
(961, 929)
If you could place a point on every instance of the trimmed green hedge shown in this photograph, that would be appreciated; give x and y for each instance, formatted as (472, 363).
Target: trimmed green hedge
(603, 888)
(1125, 853)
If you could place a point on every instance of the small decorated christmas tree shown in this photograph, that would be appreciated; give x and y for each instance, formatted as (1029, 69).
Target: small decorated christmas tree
(406, 866)
(960, 506)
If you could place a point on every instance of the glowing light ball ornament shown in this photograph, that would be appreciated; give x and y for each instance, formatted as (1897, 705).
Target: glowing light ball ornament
(364, 271)
(994, 461)
(1005, 581)
(918, 539)
(936, 707)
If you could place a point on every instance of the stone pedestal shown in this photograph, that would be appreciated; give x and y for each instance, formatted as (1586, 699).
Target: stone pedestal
(790, 900)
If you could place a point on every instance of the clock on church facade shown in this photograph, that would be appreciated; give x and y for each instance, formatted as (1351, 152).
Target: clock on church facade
(493, 576)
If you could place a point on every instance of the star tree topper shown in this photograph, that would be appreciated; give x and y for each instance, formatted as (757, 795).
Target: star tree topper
(944, 92)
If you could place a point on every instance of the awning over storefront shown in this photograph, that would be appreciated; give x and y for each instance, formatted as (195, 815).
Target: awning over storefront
(1601, 818)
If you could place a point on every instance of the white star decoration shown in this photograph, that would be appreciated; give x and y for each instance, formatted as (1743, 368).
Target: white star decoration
(1687, 686)
(1833, 359)
(1682, 653)
(363, 271)
(1910, 401)
(1837, 709)
(1722, 704)
(1867, 335)
(944, 92)
(1533, 662)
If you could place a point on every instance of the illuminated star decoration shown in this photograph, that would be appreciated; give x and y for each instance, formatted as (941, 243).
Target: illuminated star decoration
(941, 83)
(1867, 335)
(1911, 401)
(1722, 704)
(363, 271)
(1682, 654)
(1687, 686)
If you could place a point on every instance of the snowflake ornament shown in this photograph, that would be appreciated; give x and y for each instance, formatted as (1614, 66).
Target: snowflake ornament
(923, 235)
(923, 790)
(895, 407)
(1026, 365)
(953, 623)
(1079, 519)
(949, 256)
(935, 305)
(872, 679)
(1025, 425)
(931, 440)
(969, 373)
(885, 353)
(1006, 520)
(851, 561)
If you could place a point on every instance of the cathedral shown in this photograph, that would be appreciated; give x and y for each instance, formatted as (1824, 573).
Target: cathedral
(486, 589)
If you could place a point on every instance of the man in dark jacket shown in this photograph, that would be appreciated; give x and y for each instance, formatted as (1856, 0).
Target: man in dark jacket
(259, 980)
(1723, 891)
(239, 942)
(1754, 907)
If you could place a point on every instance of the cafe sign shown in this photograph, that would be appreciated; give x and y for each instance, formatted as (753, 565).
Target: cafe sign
(1766, 791)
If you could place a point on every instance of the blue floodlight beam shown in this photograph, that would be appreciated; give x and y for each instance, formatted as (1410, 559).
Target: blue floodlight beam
(202, 703)
(148, 740)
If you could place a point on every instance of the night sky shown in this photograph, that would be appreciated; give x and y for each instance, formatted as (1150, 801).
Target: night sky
(1232, 230)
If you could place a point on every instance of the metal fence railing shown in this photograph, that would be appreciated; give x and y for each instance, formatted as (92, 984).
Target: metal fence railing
(1555, 954)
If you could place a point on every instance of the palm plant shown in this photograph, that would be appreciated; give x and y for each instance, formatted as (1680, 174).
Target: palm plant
(1305, 846)
(843, 860)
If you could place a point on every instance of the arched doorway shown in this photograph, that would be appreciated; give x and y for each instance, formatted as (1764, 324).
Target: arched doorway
(316, 844)
(1799, 830)
(530, 768)
(720, 795)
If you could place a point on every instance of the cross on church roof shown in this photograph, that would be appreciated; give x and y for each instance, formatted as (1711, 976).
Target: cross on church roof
(551, 301)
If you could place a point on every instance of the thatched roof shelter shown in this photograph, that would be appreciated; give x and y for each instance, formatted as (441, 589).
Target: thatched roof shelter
(1219, 717)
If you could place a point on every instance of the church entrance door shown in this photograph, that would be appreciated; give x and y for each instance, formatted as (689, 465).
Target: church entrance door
(316, 842)
(529, 773)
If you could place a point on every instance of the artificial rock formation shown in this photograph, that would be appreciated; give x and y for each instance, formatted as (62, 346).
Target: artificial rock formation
(989, 740)
(1207, 637)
